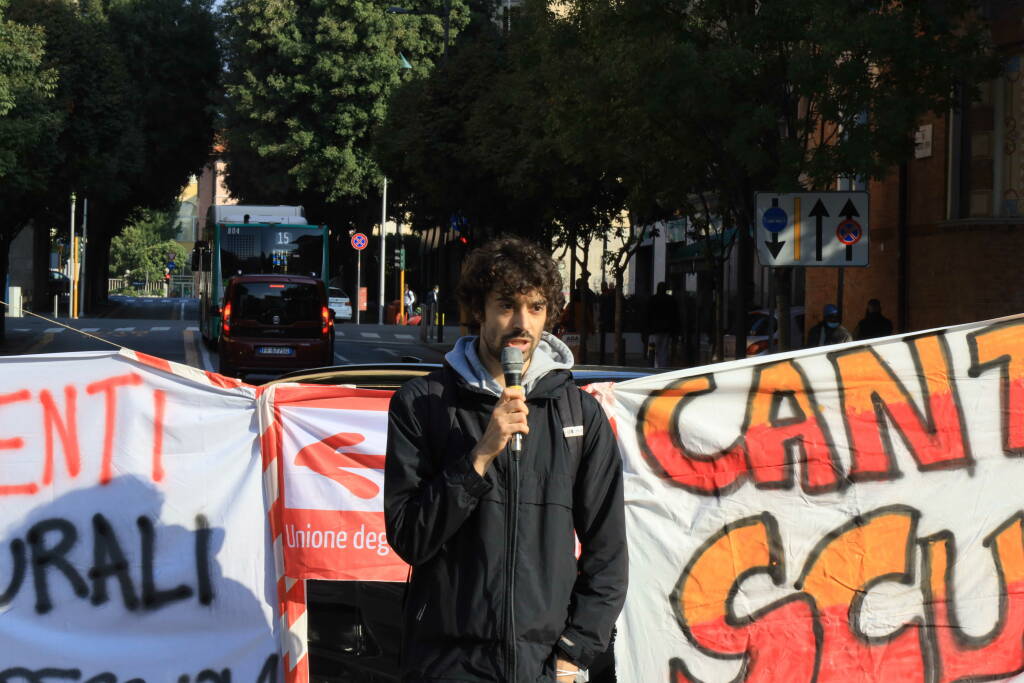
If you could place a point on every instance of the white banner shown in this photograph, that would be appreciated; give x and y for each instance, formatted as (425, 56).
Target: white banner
(133, 535)
(850, 513)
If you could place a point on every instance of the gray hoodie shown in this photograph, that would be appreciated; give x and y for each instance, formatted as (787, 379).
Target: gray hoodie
(550, 354)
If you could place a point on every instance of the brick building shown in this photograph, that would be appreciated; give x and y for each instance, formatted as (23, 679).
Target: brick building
(947, 227)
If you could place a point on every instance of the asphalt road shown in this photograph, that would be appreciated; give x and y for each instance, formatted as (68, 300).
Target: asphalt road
(168, 328)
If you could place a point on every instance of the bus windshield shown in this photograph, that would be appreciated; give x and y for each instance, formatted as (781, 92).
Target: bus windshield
(283, 249)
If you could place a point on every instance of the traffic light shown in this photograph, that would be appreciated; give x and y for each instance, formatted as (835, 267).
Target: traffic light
(397, 258)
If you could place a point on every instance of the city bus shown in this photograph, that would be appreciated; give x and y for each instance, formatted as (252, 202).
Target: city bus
(253, 240)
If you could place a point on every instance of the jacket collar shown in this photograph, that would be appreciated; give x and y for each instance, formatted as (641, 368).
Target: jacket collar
(549, 356)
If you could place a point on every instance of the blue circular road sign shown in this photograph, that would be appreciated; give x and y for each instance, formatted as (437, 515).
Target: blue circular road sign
(774, 219)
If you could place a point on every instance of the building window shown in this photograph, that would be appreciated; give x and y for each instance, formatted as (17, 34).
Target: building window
(987, 149)
(1012, 177)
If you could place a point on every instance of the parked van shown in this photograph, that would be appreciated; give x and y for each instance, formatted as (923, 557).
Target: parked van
(274, 323)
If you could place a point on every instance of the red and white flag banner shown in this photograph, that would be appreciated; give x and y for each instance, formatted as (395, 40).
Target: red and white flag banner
(330, 446)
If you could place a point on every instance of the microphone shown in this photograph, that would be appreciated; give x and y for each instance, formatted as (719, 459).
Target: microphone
(512, 367)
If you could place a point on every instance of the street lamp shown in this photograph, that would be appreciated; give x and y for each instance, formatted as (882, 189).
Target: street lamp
(384, 196)
(394, 9)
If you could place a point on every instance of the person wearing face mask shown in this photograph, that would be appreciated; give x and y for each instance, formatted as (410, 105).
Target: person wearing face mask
(829, 330)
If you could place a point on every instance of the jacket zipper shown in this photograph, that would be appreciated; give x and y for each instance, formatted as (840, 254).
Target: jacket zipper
(511, 525)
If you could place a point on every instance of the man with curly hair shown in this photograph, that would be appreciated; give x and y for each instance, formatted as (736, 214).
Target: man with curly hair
(497, 592)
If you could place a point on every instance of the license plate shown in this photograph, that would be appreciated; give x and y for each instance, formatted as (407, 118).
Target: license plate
(275, 350)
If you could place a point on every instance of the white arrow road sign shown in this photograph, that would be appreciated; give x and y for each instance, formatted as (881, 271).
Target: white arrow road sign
(812, 229)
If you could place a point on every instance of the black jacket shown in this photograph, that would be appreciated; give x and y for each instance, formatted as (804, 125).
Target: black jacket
(454, 528)
(873, 325)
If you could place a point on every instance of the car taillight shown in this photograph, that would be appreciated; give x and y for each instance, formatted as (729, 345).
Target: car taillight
(325, 319)
(757, 347)
(226, 322)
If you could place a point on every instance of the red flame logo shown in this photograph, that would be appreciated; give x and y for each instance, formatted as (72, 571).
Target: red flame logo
(327, 458)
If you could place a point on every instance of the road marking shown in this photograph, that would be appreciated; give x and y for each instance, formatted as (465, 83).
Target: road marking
(124, 329)
(338, 332)
(370, 335)
(90, 329)
(341, 358)
(181, 315)
(390, 352)
(404, 336)
(159, 329)
(204, 354)
(191, 357)
(379, 343)
(53, 330)
(191, 329)
(22, 329)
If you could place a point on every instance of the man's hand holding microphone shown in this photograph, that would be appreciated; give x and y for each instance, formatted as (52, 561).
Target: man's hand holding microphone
(508, 419)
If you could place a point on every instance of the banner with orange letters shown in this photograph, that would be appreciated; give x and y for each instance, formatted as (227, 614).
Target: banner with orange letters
(848, 513)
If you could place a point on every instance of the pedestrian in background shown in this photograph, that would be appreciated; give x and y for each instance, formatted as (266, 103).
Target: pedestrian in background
(829, 330)
(662, 324)
(409, 301)
(431, 301)
(873, 324)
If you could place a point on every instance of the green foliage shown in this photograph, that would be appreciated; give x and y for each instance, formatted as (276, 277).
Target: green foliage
(307, 82)
(97, 138)
(144, 245)
(121, 111)
(722, 99)
(24, 88)
(474, 139)
(172, 59)
(131, 115)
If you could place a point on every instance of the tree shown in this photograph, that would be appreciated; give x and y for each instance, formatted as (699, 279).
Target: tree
(130, 118)
(725, 99)
(27, 125)
(307, 82)
(473, 141)
(145, 246)
(172, 60)
(24, 85)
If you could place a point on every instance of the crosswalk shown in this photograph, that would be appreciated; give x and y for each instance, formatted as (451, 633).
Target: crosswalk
(94, 330)
(376, 335)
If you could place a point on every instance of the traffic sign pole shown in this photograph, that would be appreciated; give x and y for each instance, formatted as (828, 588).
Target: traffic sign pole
(359, 242)
(383, 239)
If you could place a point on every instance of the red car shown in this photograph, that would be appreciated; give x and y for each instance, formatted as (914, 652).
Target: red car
(275, 323)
